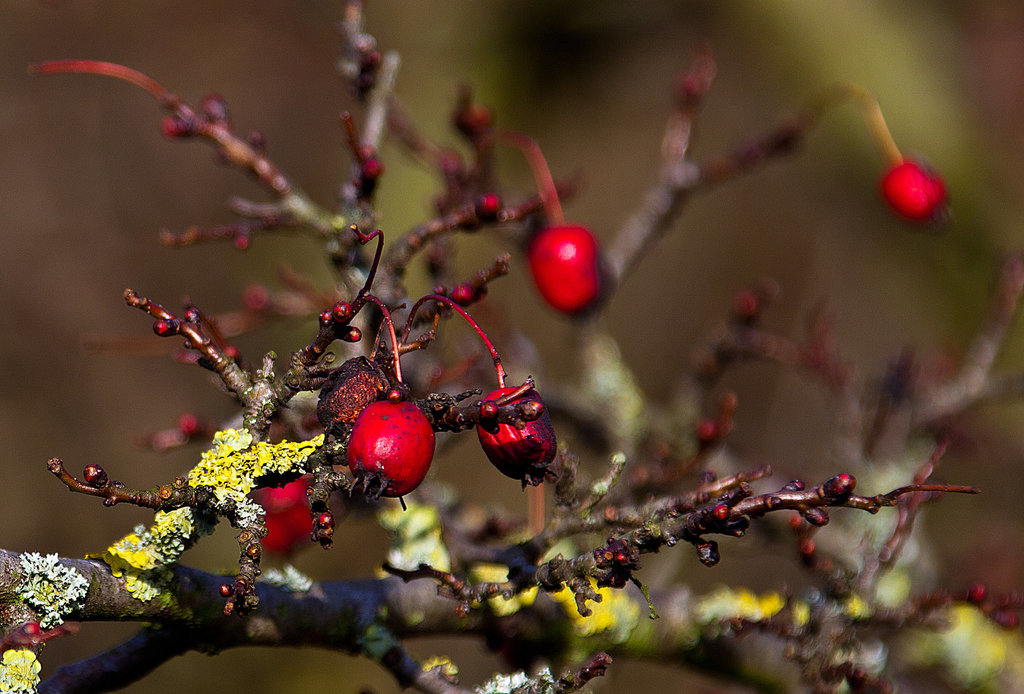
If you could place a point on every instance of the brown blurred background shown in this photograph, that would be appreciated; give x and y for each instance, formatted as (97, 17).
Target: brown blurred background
(86, 183)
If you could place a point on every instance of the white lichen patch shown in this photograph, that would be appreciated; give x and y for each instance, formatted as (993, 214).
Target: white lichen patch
(288, 578)
(19, 671)
(51, 588)
(543, 683)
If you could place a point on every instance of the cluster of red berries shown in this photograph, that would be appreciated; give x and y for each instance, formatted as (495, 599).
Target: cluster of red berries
(389, 438)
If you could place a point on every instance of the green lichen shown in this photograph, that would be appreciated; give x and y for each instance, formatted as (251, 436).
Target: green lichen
(288, 578)
(19, 671)
(517, 682)
(416, 537)
(51, 588)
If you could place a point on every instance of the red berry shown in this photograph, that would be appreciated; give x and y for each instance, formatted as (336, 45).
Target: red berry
(840, 485)
(566, 265)
(256, 297)
(745, 305)
(390, 448)
(163, 328)
(188, 424)
(342, 311)
(225, 589)
(371, 169)
(707, 431)
(288, 522)
(976, 593)
(95, 476)
(31, 629)
(173, 127)
(522, 454)
(463, 294)
(720, 512)
(487, 207)
(914, 192)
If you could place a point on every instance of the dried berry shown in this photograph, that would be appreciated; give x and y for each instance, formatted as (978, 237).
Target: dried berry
(914, 192)
(565, 262)
(522, 454)
(349, 389)
(391, 447)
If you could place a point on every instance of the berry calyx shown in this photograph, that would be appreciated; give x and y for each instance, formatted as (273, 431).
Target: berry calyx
(288, 522)
(914, 192)
(390, 448)
(522, 454)
(565, 262)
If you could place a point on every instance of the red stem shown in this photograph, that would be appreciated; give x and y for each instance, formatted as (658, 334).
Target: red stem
(541, 173)
(469, 319)
(391, 333)
(98, 67)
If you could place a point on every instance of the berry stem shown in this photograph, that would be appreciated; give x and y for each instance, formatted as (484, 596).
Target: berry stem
(499, 369)
(871, 111)
(391, 333)
(363, 240)
(541, 173)
(99, 67)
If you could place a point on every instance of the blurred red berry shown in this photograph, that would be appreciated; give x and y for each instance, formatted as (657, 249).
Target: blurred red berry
(288, 521)
(914, 192)
(566, 265)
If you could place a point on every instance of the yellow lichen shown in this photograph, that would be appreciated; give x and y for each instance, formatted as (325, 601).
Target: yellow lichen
(976, 653)
(856, 608)
(416, 536)
(234, 464)
(616, 613)
(727, 603)
(498, 573)
(19, 671)
(231, 467)
(447, 667)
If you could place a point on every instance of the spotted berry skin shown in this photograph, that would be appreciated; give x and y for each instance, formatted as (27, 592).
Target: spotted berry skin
(390, 448)
(914, 192)
(565, 262)
(288, 522)
(522, 454)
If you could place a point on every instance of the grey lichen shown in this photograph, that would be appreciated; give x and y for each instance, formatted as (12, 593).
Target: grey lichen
(51, 588)
(519, 683)
(289, 578)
